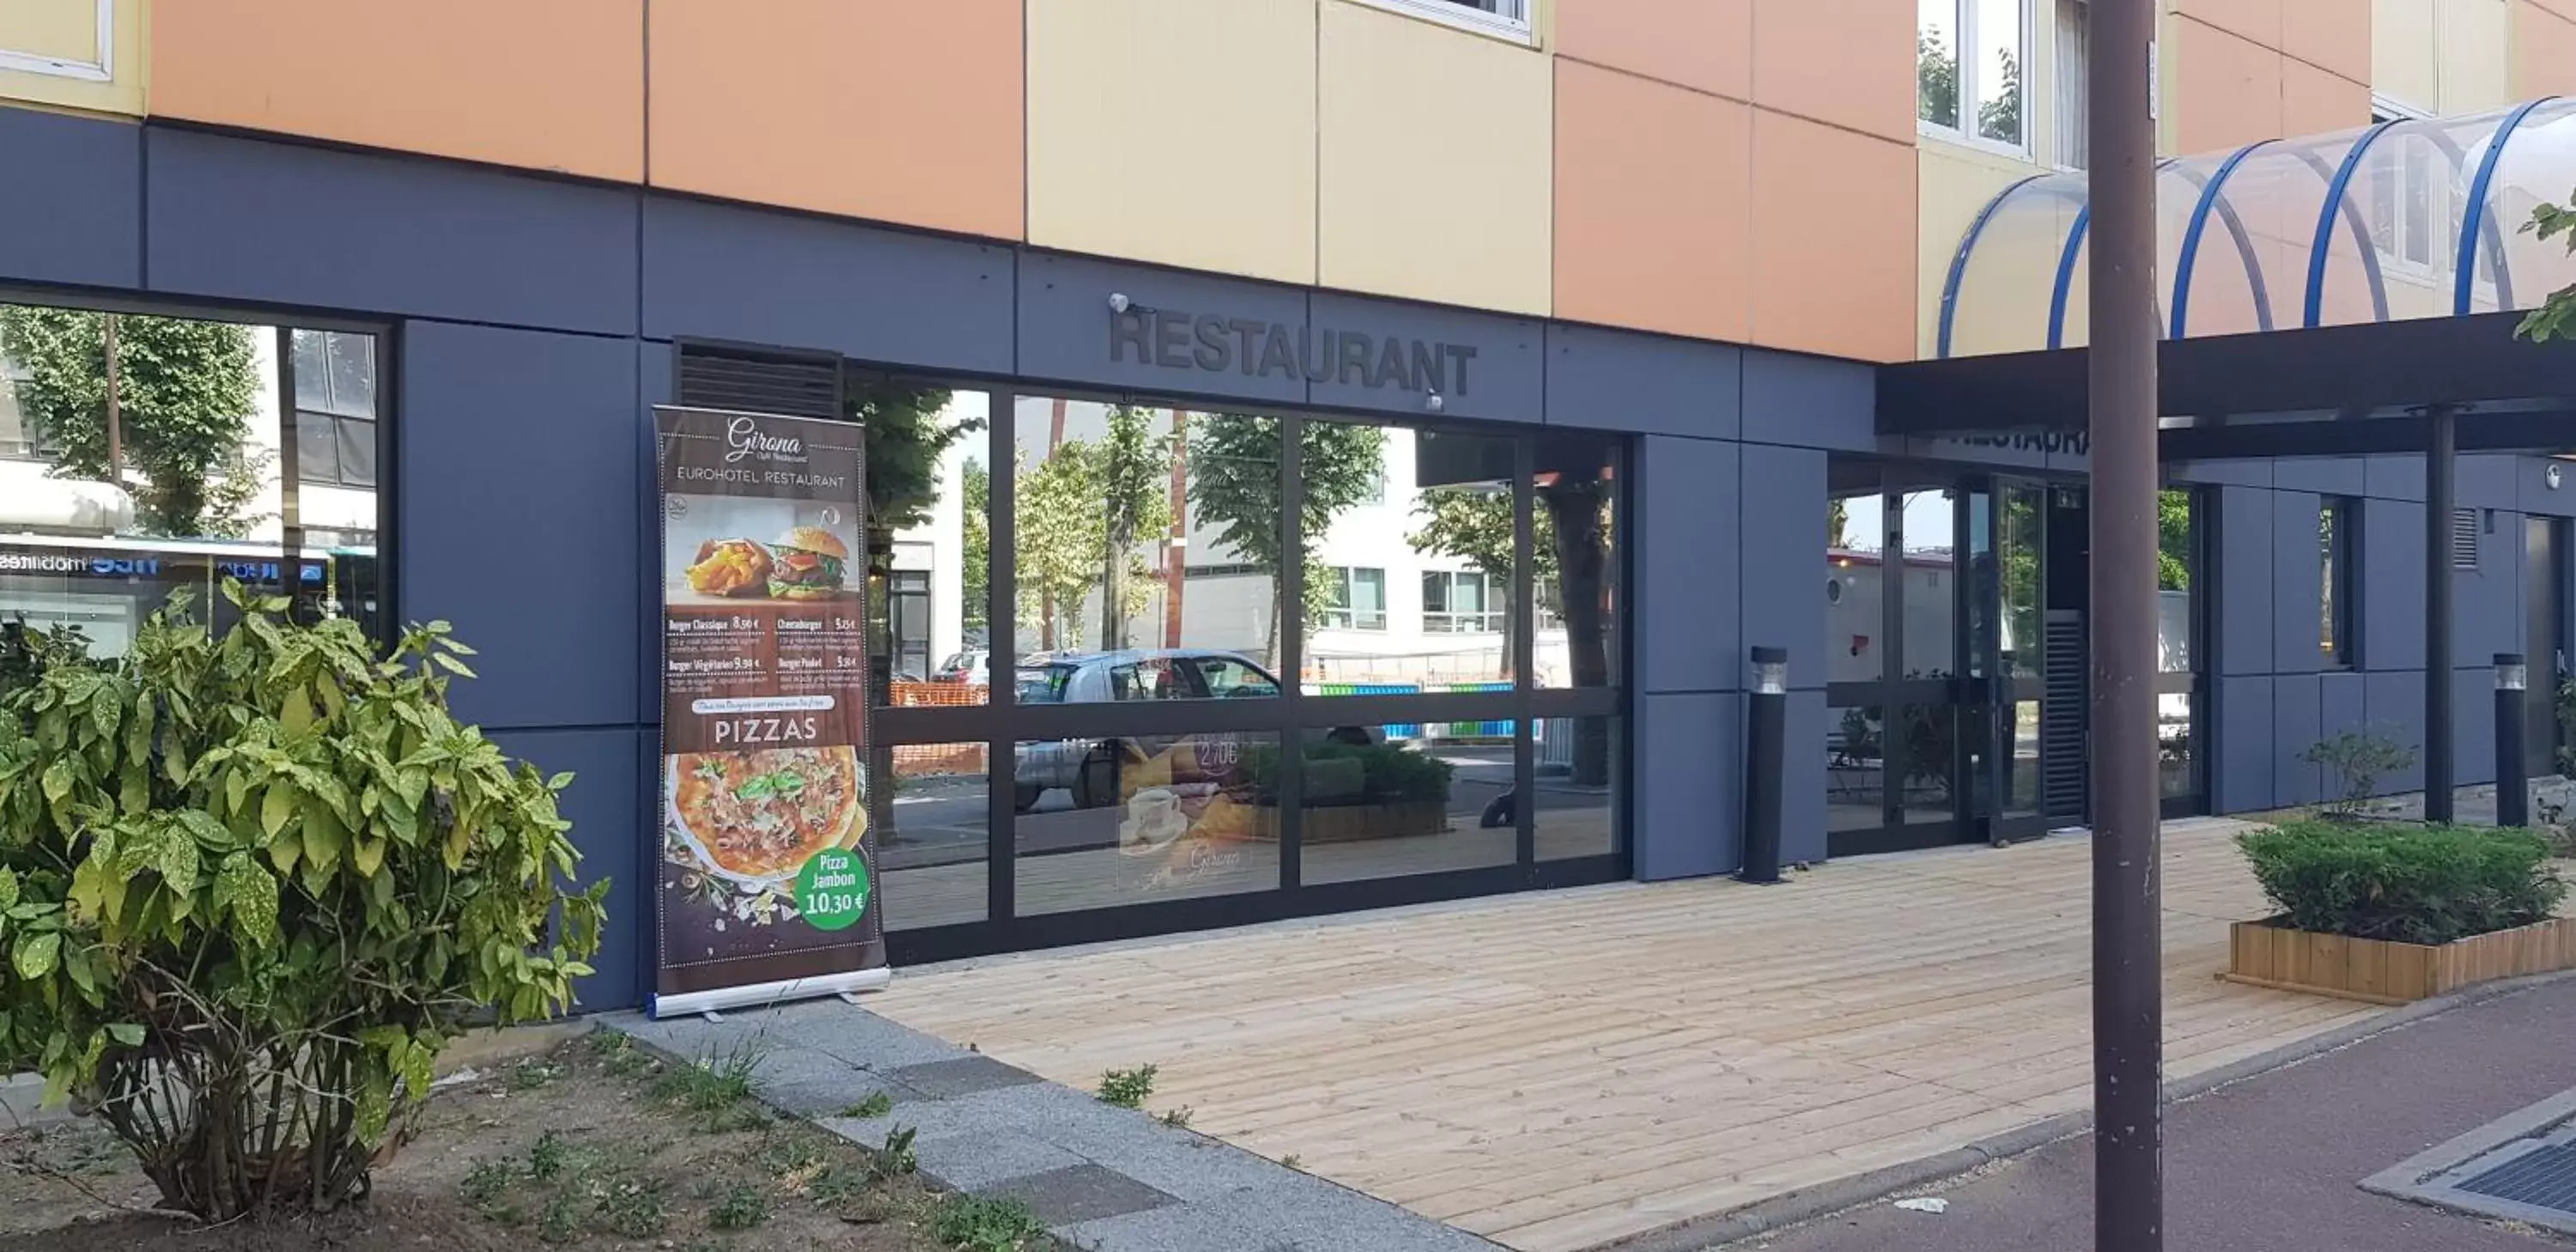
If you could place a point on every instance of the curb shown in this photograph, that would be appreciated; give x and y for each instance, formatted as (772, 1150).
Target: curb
(1842, 1194)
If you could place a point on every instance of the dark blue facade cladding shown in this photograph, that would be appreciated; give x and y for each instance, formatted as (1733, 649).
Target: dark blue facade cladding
(533, 321)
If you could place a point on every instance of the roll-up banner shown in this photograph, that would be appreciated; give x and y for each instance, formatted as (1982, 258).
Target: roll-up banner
(767, 885)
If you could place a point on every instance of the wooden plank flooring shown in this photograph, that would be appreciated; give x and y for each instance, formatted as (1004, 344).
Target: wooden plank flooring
(1559, 1070)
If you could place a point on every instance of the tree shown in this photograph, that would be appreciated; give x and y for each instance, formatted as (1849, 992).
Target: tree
(1936, 80)
(1061, 531)
(2556, 316)
(2000, 118)
(1131, 466)
(906, 440)
(1837, 521)
(186, 391)
(978, 542)
(1235, 485)
(1475, 525)
(2173, 541)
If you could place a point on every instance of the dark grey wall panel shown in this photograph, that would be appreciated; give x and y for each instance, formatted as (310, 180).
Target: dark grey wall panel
(2394, 477)
(71, 203)
(2327, 475)
(2342, 702)
(1690, 785)
(2226, 473)
(2473, 724)
(2489, 608)
(1068, 331)
(518, 517)
(656, 367)
(2245, 534)
(2533, 491)
(719, 271)
(243, 220)
(2487, 481)
(1504, 378)
(2297, 723)
(2242, 775)
(1802, 804)
(2392, 584)
(2393, 701)
(605, 806)
(1688, 561)
(1618, 380)
(1783, 529)
(1810, 401)
(2298, 580)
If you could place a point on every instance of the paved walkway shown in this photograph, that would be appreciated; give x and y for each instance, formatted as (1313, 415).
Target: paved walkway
(2273, 1164)
(1105, 1178)
(1561, 1070)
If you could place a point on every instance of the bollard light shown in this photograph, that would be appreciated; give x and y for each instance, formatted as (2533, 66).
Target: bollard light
(1770, 671)
(2510, 672)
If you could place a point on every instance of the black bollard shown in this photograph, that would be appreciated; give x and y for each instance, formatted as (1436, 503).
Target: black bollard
(1766, 723)
(2513, 790)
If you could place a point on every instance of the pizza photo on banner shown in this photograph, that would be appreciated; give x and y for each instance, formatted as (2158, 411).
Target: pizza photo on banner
(767, 872)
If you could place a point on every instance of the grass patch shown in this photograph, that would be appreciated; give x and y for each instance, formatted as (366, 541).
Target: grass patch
(715, 1090)
(1127, 1088)
(737, 1206)
(971, 1223)
(878, 1104)
(532, 1074)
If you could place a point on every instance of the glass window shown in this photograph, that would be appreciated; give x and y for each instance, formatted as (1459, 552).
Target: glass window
(1928, 581)
(928, 545)
(1387, 801)
(2337, 590)
(2177, 560)
(1968, 67)
(1460, 602)
(1109, 822)
(1358, 600)
(1855, 572)
(930, 833)
(2074, 47)
(1226, 677)
(1574, 529)
(1576, 811)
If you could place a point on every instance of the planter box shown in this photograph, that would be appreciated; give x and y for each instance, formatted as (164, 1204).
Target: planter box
(1350, 823)
(2382, 972)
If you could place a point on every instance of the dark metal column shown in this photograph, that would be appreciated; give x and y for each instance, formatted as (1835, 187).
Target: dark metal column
(2128, 1003)
(2440, 436)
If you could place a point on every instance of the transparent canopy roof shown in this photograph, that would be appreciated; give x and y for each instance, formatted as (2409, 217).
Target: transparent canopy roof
(2404, 219)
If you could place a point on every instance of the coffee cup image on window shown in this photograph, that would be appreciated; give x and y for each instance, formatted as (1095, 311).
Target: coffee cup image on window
(807, 563)
(1154, 821)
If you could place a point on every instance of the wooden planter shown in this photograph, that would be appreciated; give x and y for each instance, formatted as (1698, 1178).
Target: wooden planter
(1351, 823)
(2381, 972)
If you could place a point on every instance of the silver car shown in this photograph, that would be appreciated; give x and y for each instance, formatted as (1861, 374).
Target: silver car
(1089, 767)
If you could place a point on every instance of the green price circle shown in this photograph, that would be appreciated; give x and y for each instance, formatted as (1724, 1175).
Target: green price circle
(832, 889)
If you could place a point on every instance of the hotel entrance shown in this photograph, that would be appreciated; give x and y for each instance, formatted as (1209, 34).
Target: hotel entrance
(1956, 656)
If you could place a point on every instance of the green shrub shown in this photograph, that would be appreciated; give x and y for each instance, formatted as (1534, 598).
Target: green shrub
(2409, 884)
(1390, 773)
(251, 885)
(2355, 762)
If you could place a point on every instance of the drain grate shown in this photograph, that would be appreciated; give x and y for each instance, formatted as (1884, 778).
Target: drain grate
(2544, 1177)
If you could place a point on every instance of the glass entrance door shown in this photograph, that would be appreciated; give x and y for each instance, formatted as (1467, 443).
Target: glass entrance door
(1897, 658)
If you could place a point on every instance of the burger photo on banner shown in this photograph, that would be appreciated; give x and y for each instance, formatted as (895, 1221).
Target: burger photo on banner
(765, 812)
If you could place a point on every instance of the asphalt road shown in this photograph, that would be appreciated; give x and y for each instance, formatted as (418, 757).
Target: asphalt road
(2272, 1164)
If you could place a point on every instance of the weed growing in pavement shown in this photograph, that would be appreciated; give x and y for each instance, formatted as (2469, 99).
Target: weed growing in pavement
(972, 1223)
(895, 1157)
(1127, 1088)
(878, 1104)
(716, 1088)
(1294, 1161)
(1177, 1119)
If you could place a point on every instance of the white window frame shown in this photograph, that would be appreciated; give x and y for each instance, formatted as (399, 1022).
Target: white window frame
(1508, 19)
(1963, 36)
(2440, 244)
(1344, 613)
(102, 70)
(1489, 620)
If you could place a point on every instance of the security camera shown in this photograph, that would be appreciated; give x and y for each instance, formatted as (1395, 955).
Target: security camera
(1118, 302)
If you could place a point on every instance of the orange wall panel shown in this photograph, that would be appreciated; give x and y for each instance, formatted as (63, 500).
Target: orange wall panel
(2255, 20)
(2545, 52)
(2228, 89)
(1833, 254)
(557, 85)
(1848, 62)
(2333, 35)
(1706, 45)
(1652, 210)
(899, 110)
(2314, 101)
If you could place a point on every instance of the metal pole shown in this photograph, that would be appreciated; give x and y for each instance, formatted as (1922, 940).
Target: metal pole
(1765, 728)
(115, 420)
(2440, 433)
(2128, 1004)
(2513, 787)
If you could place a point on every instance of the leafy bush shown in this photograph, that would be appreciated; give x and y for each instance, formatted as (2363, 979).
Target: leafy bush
(2409, 884)
(1389, 773)
(251, 885)
(2357, 759)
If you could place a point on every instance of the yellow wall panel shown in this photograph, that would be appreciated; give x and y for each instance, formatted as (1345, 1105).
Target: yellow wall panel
(2476, 55)
(51, 53)
(1179, 131)
(1437, 162)
(1954, 184)
(2404, 62)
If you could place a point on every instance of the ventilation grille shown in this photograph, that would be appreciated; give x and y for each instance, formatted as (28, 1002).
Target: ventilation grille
(790, 385)
(2061, 717)
(2464, 539)
(2544, 1177)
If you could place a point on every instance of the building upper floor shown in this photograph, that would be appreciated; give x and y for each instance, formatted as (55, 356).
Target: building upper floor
(1792, 174)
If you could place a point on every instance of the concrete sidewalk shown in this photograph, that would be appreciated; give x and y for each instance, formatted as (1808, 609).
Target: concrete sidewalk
(1103, 1178)
(2274, 1163)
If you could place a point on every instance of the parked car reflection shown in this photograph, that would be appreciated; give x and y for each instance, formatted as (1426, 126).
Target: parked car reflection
(1088, 768)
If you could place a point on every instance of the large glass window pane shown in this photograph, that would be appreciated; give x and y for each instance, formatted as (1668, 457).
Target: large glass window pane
(1924, 742)
(1431, 553)
(317, 447)
(2177, 561)
(1936, 62)
(932, 846)
(1109, 822)
(1996, 73)
(1387, 801)
(1855, 575)
(357, 451)
(2017, 560)
(1929, 583)
(1579, 774)
(928, 542)
(1855, 768)
(1574, 531)
(2175, 757)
